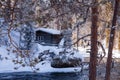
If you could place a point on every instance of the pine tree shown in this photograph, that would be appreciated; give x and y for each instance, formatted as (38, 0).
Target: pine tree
(111, 41)
(94, 49)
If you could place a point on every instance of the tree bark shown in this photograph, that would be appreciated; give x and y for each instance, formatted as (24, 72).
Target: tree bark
(119, 41)
(111, 41)
(107, 36)
(94, 49)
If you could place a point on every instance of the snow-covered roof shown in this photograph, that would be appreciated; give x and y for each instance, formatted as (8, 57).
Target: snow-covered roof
(48, 30)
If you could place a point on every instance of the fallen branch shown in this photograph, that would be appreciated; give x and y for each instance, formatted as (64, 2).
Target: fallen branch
(101, 57)
(99, 43)
(81, 38)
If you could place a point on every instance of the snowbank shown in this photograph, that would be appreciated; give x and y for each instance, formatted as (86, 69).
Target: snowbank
(6, 64)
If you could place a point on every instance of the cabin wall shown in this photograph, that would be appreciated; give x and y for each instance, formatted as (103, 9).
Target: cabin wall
(47, 39)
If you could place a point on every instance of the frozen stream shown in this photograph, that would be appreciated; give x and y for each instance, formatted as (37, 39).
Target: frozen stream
(40, 76)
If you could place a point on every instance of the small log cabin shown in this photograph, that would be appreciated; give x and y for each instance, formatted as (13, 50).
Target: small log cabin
(46, 36)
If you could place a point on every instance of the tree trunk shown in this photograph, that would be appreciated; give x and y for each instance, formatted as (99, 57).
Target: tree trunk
(118, 14)
(107, 36)
(119, 41)
(111, 41)
(77, 37)
(94, 49)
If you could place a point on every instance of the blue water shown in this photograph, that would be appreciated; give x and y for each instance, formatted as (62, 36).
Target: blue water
(39, 76)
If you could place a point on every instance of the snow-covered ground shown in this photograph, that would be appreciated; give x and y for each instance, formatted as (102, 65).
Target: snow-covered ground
(83, 52)
(7, 56)
(6, 64)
